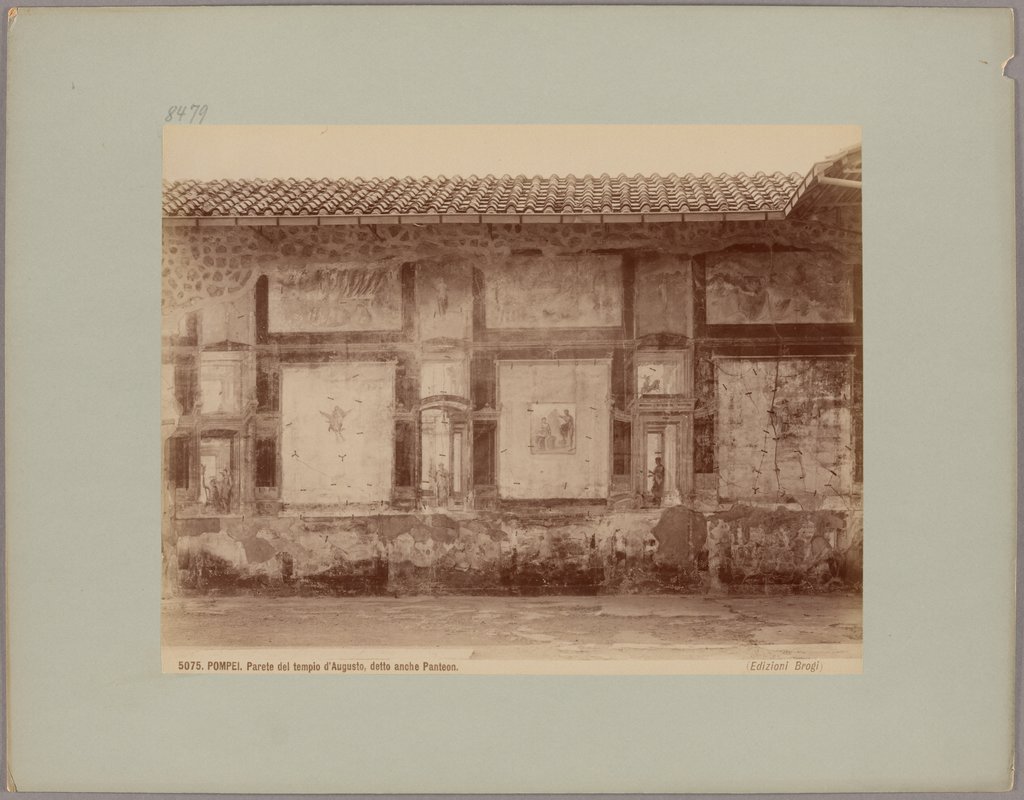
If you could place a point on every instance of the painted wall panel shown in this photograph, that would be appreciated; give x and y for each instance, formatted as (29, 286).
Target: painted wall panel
(335, 298)
(784, 429)
(660, 376)
(572, 461)
(228, 321)
(779, 287)
(550, 292)
(664, 296)
(444, 301)
(444, 377)
(220, 376)
(337, 434)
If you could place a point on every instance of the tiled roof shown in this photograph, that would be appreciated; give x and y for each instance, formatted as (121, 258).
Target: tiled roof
(519, 195)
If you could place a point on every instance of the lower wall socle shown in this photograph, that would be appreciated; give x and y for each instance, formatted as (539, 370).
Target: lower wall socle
(674, 549)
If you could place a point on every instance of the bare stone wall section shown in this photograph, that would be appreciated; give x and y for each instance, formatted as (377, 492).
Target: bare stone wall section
(745, 549)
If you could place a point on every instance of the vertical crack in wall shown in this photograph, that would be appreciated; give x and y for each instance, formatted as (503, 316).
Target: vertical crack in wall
(775, 431)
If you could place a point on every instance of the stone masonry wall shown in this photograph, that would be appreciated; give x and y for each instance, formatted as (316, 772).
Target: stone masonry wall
(675, 549)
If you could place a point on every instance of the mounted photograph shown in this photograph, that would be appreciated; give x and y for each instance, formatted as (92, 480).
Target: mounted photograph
(512, 399)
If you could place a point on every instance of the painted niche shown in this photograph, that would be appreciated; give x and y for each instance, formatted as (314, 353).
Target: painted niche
(659, 377)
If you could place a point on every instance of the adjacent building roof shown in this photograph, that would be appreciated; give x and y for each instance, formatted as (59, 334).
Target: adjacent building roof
(489, 198)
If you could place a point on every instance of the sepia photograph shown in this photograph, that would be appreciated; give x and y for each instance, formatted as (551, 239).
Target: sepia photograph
(565, 372)
(512, 399)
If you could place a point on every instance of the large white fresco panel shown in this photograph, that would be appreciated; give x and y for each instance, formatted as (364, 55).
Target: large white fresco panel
(337, 439)
(553, 429)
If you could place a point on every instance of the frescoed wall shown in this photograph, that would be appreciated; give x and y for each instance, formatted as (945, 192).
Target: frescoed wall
(218, 486)
(577, 463)
(444, 377)
(566, 292)
(332, 489)
(552, 428)
(220, 376)
(337, 433)
(659, 377)
(444, 300)
(229, 321)
(664, 291)
(785, 429)
(335, 299)
(778, 288)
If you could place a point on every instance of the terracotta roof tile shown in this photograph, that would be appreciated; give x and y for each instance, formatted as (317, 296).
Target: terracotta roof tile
(480, 195)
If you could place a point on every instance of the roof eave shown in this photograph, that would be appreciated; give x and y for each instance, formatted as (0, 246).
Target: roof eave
(477, 219)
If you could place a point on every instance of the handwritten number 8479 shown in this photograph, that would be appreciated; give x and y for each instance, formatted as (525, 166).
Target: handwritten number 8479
(190, 115)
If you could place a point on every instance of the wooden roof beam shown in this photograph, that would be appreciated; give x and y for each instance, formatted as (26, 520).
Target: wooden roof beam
(839, 182)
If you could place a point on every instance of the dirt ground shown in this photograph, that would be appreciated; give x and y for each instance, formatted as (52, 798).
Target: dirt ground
(603, 627)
